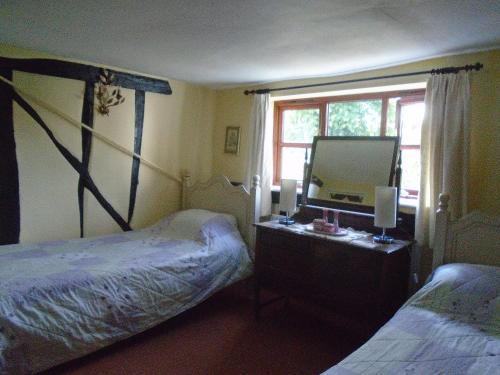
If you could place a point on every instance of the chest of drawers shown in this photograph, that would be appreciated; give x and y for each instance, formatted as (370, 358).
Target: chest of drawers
(350, 275)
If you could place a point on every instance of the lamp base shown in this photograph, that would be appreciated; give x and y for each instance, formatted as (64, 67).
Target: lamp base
(383, 238)
(287, 221)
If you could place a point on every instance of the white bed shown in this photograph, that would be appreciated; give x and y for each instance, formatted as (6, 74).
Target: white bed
(60, 300)
(452, 324)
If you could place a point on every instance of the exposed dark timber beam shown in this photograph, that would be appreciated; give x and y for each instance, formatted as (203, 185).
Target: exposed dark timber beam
(87, 119)
(447, 70)
(9, 180)
(139, 123)
(73, 161)
(9, 177)
(87, 73)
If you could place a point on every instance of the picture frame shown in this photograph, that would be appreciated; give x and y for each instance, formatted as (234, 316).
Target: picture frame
(232, 143)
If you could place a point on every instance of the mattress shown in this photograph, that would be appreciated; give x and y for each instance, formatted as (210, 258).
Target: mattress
(450, 326)
(60, 300)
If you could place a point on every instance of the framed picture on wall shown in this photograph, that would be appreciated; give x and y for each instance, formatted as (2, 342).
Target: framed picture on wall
(232, 144)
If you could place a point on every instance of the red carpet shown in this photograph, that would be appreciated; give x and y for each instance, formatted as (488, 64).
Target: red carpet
(221, 336)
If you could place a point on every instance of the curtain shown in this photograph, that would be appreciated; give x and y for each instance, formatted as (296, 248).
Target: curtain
(444, 153)
(259, 160)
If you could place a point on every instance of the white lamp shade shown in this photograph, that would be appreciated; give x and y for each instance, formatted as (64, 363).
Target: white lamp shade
(288, 195)
(385, 206)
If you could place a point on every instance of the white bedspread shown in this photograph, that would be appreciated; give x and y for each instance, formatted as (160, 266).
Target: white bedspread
(450, 326)
(60, 300)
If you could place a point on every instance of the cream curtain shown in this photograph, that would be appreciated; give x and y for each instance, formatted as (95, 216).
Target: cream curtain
(259, 160)
(444, 153)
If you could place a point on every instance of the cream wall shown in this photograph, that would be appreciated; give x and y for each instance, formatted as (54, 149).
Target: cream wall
(186, 130)
(233, 109)
(177, 135)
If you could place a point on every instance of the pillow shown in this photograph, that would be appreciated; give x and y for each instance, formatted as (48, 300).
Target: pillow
(219, 227)
(460, 289)
(195, 224)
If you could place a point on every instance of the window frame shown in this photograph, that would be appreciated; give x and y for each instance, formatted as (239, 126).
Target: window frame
(322, 103)
(278, 143)
(408, 100)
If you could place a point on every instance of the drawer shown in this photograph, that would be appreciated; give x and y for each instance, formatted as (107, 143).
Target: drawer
(346, 267)
(286, 259)
(280, 280)
(284, 240)
(288, 253)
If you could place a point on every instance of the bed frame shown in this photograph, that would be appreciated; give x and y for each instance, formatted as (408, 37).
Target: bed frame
(474, 238)
(218, 194)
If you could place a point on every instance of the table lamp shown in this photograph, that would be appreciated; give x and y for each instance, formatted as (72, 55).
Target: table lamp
(385, 211)
(288, 200)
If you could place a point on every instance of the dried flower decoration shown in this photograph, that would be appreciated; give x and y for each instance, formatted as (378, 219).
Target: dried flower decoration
(106, 96)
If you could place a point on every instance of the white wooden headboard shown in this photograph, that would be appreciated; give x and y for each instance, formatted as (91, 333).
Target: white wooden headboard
(474, 238)
(219, 195)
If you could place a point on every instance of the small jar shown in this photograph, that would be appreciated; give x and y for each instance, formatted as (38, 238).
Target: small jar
(318, 224)
(329, 228)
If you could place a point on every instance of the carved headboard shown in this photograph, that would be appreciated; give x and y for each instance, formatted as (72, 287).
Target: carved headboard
(474, 238)
(219, 195)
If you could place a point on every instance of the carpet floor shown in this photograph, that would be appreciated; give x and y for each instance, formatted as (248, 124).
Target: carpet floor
(221, 336)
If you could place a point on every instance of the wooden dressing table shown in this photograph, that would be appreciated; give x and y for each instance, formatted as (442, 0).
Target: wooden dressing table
(351, 276)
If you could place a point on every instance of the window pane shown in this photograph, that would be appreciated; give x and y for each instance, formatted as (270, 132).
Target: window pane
(357, 118)
(391, 129)
(300, 125)
(411, 123)
(410, 179)
(292, 162)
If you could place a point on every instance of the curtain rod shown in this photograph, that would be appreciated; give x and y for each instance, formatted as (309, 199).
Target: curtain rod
(451, 69)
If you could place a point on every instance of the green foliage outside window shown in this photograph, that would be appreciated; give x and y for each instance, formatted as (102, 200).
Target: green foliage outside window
(300, 125)
(356, 118)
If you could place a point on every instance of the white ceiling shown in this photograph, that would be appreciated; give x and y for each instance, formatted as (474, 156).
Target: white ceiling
(231, 42)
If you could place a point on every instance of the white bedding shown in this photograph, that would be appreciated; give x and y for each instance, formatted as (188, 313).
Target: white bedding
(63, 299)
(450, 326)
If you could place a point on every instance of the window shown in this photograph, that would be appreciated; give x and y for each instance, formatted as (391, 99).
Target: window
(299, 124)
(377, 114)
(410, 112)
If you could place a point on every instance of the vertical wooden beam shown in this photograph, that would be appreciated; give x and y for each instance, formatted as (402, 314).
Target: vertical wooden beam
(134, 178)
(10, 218)
(74, 162)
(87, 119)
(9, 179)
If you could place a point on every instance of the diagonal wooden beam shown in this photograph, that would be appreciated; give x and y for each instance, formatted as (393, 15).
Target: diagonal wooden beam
(74, 162)
(70, 120)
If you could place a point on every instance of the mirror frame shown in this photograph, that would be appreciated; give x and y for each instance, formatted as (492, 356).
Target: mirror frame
(394, 175)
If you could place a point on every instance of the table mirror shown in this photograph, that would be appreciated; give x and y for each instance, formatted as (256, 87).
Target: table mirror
(344, 171)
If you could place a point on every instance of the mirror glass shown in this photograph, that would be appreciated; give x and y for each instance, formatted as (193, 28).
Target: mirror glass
(347, 169)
